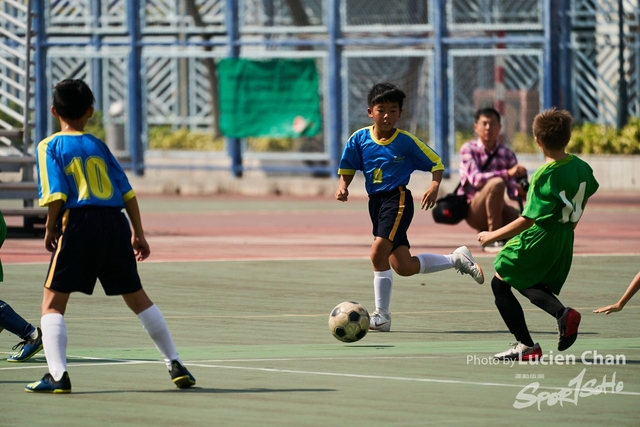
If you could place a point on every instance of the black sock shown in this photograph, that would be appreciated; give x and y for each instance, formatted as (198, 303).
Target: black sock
(542, 297)
(511, 311)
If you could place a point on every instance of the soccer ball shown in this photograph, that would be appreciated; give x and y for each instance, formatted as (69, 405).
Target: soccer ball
(349, 322)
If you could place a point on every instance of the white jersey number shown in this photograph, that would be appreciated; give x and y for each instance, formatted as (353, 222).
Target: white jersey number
(572, 210)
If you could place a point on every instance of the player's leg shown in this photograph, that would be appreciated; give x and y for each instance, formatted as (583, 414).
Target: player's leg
(461, 259)
(119, 276)
(72, 268)
(156, 326)
(405, 264)
(542, 297)
(390, 214)
(31, 336)
(154, 323)
(382, 284)
(567, 318)
(544, 257)
(513, 316)
(54, 339)
(13, 322)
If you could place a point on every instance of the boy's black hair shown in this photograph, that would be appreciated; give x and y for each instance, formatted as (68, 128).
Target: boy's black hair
(487, 112)
(72, 98)
(385, 92)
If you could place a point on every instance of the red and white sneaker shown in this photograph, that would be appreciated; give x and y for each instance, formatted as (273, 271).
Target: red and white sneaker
(568, 328)
(380, 321)
(521, 352)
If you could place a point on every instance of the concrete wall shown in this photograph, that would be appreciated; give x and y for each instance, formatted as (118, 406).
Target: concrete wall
(184, 173)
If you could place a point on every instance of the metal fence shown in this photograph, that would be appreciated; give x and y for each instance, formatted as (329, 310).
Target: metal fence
(156, 58)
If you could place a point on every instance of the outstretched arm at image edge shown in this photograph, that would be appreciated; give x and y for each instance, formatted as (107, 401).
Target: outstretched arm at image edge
(634, 286)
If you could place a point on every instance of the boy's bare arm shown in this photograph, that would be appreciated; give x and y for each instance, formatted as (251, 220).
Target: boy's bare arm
(634, 287)
(513, 228)
(51, 231)
(342, 193)
(138, 241)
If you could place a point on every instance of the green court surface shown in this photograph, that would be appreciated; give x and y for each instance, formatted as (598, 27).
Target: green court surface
(255, 336)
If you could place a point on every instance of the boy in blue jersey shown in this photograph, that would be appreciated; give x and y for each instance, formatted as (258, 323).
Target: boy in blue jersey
(387, 156)
(90, 238)
(537, 258)
(31, 336)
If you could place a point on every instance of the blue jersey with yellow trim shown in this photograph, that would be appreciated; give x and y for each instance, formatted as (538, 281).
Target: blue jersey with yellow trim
(387, 164)
(79, 169)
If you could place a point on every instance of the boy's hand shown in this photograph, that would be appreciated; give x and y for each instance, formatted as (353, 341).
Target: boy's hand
(342, 194)
(141, 248)
(485, 238)
(430, 196)
(51, 239)
(429, 199)
(609, 309)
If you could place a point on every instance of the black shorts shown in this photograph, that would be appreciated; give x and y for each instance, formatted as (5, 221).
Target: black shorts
(94, 243)
(391, 213)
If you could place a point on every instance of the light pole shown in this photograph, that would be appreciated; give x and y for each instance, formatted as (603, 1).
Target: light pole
(622, 84)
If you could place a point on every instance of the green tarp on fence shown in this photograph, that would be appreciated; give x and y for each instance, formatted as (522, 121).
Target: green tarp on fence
(277, 98)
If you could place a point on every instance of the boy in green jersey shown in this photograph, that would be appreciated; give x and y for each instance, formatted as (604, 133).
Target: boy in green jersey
(537, 259)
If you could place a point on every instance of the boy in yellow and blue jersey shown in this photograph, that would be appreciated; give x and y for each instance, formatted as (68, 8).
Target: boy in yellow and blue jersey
(90, 238)
(388, 156)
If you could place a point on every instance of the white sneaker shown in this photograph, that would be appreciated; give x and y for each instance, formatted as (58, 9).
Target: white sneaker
(380, 321)
(465, 264)
(521, 352)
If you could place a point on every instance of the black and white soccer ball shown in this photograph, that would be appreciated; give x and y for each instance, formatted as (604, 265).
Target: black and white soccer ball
(349, 321)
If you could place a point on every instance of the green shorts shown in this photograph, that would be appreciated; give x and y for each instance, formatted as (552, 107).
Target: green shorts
(537, 255)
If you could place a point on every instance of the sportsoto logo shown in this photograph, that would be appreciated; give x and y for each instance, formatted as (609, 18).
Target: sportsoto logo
(576, 389)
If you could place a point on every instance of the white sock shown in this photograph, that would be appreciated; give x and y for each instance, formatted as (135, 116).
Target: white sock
(54, 339)
(153, 322)
(430, 263)
(382, 283)
(34, 334)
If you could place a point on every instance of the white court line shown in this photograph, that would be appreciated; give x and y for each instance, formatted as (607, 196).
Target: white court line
(16, 367)
(318, 373)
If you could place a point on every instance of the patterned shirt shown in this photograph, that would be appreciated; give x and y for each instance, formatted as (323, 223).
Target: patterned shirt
(473, 155)
(387, 164)
(79, 169)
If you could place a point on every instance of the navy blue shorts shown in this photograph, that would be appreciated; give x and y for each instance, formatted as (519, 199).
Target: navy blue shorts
(94, 244)
(391, 213)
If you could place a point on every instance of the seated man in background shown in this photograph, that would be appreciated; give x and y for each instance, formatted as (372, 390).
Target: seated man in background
(485, 187)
